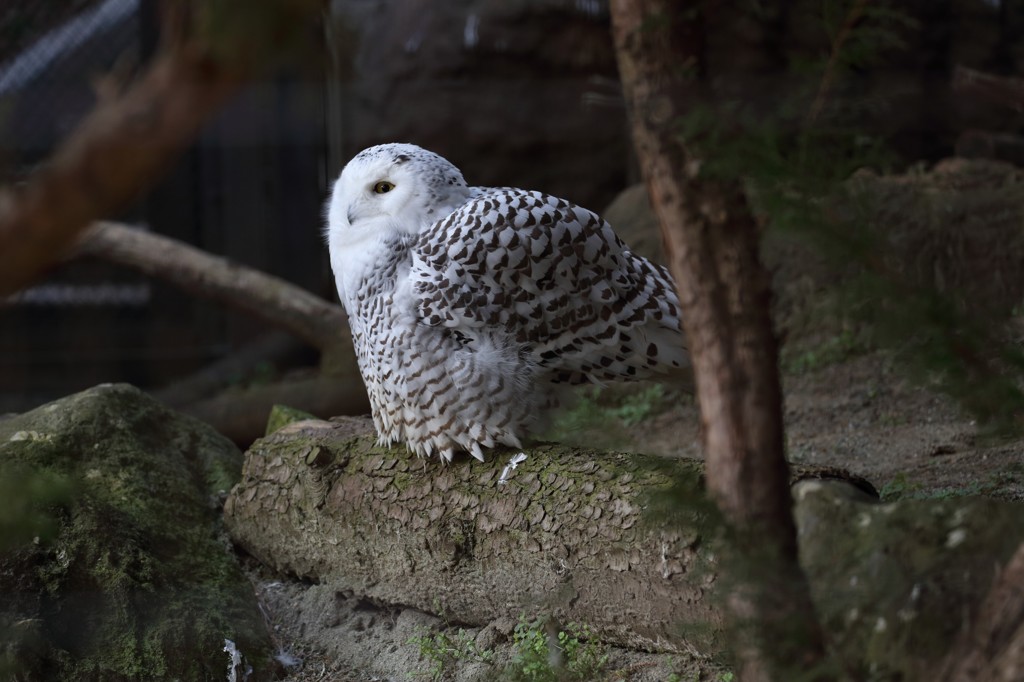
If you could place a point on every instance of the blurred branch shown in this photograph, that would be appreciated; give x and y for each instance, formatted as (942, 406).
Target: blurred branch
(209, 51)
(269, 298)
(1002, 90)
(118, 150)
(241, 414)
(273, 348)
(829, 76)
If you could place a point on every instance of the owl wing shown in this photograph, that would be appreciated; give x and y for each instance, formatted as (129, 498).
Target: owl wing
(555, 278)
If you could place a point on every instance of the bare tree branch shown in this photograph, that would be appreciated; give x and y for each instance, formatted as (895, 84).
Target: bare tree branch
(115, 153)
(1002, 90)
(209, 50)
(828, 78)
(269, 298)
(241, 414)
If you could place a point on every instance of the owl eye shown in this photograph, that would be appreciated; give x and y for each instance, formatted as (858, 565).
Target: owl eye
(383, 187)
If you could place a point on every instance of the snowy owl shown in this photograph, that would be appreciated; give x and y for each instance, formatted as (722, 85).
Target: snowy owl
(470, 306)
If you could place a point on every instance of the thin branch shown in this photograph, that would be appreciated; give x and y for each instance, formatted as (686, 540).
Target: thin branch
(828, 78)
(311, 318)
(1002, 90)
(209, 50)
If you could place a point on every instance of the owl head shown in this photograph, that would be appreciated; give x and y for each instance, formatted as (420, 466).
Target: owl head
(392, 189)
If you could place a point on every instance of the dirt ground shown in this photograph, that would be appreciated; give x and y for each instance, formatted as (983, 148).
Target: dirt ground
(863, 416)
(858, 413)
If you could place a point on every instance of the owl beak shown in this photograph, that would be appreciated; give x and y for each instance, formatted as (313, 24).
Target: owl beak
(358, 210)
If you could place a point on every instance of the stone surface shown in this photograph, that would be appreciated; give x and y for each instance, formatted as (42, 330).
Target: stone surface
(896, 583)
(514, 92)
(130, 577)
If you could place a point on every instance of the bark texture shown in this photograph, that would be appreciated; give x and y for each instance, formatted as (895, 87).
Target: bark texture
(712, 243)
(566, 534)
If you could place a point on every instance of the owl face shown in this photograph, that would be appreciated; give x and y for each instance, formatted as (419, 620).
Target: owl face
(390, 190)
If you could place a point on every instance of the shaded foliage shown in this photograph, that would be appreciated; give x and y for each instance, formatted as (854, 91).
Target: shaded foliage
(797, 163)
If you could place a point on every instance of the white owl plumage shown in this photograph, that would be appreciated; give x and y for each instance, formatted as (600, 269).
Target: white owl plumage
(470, 306)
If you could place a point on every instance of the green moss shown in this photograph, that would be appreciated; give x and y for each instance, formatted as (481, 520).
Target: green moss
(282, 415)
(888, 577)
(135, 583)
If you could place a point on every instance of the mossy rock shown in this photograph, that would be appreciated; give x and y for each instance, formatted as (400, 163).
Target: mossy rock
(895, 583)
(126, 575)
(282, 415)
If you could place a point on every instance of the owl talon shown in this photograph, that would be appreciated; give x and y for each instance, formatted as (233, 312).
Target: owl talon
(474, 450)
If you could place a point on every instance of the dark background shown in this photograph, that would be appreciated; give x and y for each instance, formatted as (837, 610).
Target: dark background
(518, 93)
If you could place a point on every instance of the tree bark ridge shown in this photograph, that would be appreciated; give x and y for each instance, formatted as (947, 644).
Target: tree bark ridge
(712, 244)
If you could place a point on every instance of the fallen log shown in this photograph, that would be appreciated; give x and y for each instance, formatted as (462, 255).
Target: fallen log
(566, 532)
(1002, 90)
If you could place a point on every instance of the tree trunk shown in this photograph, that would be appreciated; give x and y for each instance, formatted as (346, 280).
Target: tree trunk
(712, 243)
(567, 534)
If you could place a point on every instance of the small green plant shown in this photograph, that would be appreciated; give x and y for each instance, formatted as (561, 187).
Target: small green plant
(899, 487)
(444, 650)
(831, 351)
(578, 658)
(640, 406)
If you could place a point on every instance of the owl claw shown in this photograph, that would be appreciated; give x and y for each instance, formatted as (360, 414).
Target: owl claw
(474, 450)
